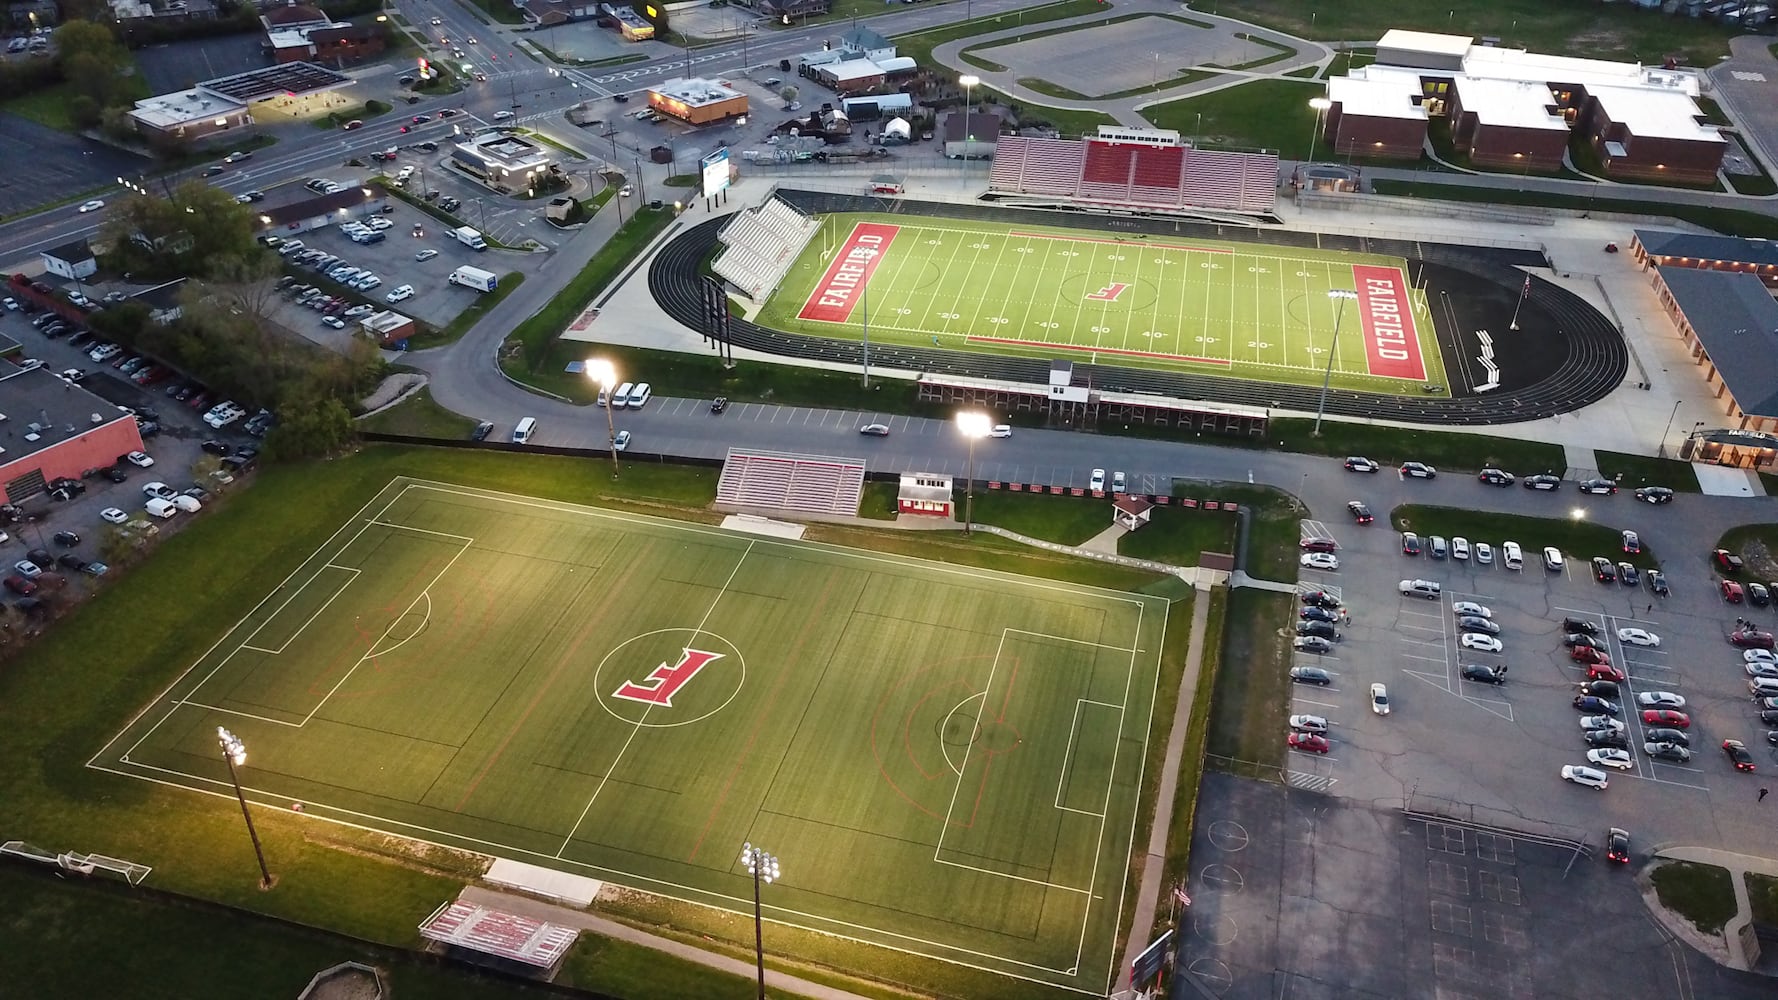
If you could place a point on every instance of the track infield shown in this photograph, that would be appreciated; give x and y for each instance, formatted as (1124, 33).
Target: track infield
(947, 761)
(1237, 310)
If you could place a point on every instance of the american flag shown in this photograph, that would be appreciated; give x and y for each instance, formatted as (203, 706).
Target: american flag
(1179, 894)
(1527, 289)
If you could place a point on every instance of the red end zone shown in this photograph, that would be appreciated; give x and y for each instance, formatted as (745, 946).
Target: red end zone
(1391, 345)
(831, 301)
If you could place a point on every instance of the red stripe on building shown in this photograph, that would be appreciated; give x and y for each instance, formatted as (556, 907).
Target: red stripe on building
(843, 284)
(1391, 345)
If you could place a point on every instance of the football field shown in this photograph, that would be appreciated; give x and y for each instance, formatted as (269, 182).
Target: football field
(946, 761)
(1237, 310)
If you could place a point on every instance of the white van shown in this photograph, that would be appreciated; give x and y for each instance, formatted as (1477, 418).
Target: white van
(522, 433)
(638, 396)
(621, 398)
(160, 508)
(604, 396)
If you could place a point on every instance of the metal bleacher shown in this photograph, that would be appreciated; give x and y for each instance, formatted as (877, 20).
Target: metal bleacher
(760, 244)
(1160, 177)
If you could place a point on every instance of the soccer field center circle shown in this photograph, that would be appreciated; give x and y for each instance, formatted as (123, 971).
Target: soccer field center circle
(669, 677)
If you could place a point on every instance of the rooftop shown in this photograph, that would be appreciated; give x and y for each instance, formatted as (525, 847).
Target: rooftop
(1378, 92)
(167, 111)
(1736, 319)
(1510, 103)
(864, 39)
(696, 91)
(501, 149)
(851, 69)
(1660, 114)
(1698, 246)
(1425, 41)
(290, 79)
(321, 204)
(40, 405)
(73, 252)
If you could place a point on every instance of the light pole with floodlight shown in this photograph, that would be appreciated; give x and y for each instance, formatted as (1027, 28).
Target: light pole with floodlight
(605, 374)
(1333, 347)
(235, 753)
(1320, 104)
(761, 866)
(975, 425)
(968, 82)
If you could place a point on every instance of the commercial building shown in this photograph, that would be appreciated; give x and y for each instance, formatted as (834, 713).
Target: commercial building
(633, 26)
(697, 101)
(1514, 109)
(388, 328)
(1666, 248)
(549, 13)
(503, 161)
(300, 33)
(74, 260)
(220, 110)
(971, 135)
(54, 429)
(290, 218)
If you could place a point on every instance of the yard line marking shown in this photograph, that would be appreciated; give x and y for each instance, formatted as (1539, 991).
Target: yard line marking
(258, 649)
(638, 727)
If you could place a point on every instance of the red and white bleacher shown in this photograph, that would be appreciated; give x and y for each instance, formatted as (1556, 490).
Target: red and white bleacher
(1142, 168)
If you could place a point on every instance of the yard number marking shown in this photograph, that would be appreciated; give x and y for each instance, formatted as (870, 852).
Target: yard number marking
(664, 681)
(1109, 293)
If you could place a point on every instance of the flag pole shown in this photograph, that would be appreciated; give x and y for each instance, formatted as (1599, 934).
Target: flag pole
(1524, 291)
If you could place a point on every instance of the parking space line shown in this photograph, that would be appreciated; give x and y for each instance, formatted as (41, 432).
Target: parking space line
(1318, 704)
(1426, 642)
(1314, 756)
(1429, 659)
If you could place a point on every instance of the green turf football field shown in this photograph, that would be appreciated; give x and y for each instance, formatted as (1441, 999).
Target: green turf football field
(946, 761)
(1228, 309)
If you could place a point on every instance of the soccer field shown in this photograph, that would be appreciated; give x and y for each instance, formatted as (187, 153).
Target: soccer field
(1237, 310)
(947, 761)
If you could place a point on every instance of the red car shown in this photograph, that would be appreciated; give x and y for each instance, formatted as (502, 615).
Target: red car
(1666, 719)
(1731, 592)
(1308, 742)
(1604, 672)
(1727, 561)
(1751, 638)
(1319, 545)
(1738, 755)
(1589, 655)
(21, 586)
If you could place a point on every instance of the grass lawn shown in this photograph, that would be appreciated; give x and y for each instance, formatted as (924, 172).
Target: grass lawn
(1762, 896)
(364, 112)
(919, 44)
(1252, 692)
(1641, 470)
(1759, 185)
(48, 106)
(1730, 221)
(1619, 32)
(534, 336)
(878, 502)
(1265, 114)
(419, 416)
(1702, 894)
(1445, 450)
(1180, 537)
(1197, 735)
(78, 686)
(1580, 540)
(1065, 520)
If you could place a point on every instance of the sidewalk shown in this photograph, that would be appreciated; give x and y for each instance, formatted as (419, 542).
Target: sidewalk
(1739, 927)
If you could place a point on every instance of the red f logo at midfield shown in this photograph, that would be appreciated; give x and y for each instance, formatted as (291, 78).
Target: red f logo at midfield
(664, 681)
(1109, 293)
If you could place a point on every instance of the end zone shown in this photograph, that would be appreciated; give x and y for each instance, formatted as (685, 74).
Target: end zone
(850, 271)
(1391, 343)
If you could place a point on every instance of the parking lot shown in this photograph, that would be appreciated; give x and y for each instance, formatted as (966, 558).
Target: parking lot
(179, 460)
(393, 262)
(1499, 748)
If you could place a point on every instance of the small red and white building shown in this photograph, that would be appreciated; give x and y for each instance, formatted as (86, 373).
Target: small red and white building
(926, 494)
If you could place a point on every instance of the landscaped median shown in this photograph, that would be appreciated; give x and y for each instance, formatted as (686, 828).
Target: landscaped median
(1702, 894)
(1578, 537)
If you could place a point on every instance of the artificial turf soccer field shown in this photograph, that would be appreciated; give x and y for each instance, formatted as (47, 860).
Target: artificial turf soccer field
(947, 761)
(1237, 310)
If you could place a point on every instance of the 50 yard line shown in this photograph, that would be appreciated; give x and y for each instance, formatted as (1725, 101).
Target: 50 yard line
(638, 726)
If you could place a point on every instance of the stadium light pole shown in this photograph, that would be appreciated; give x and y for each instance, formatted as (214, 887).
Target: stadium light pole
(605, 374)
(1320, 104)
(975, 425)
(761, 866)
(235, 753)
(1333, 347)
(968, 82)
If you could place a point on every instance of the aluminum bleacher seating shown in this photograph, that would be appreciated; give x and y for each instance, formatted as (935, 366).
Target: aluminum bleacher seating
(811, 483)
(761, 244)
(1105, 171)
(1043, 166)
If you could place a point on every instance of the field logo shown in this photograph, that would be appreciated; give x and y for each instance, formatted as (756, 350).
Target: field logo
(1391, 344)
(1109, 293)
(846, 278)
(663, 682)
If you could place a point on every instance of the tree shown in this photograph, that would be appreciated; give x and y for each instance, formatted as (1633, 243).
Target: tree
(93, 62)
(788, 93)
(309, 428)
(194, 231)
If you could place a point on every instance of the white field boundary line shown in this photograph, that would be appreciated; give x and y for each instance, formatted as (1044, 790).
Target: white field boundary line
(1141, 768)
(1068, 755)
(840, 550)
(637, 728)
(743, 906)
(1081, 642)
(298, 592)
(161, 699)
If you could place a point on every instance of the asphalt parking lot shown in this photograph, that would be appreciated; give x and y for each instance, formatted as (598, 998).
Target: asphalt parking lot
(39, 164)
(1298, 895)
(1499, 749)
(176, 450)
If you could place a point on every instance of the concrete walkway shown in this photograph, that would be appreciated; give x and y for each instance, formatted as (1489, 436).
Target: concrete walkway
(1737, 932)
(526, 906)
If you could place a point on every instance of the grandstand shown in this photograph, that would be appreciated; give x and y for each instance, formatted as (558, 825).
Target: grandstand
(1158, 176)
(780, 481)
(760, 244)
